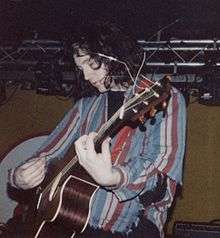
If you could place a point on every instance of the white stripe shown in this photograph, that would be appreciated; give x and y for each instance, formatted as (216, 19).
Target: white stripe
(156, 218)
(126, 176)
(141, 178)
(111, 210)
(159, 223)
(103, 215)
(165, 139)
(170, 193)
(162, 142)
(169, 145)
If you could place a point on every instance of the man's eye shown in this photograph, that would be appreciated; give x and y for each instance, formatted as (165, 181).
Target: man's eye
(93, 64)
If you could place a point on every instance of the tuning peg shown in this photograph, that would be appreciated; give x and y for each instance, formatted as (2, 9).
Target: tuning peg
(142, 119)
(147, 90)
(156, 95)
(164, 104)
(134, 110)
(158, 84)
(146, 103)
(152, 112)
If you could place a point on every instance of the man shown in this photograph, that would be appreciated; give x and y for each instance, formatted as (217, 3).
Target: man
(140, 165)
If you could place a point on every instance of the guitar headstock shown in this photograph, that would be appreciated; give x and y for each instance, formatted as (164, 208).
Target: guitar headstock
(140, 105)
(154, 97)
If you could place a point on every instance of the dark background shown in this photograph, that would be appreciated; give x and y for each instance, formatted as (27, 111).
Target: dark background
(24, 113)
(53, 19)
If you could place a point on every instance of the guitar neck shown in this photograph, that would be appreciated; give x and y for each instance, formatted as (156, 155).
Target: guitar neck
(108, 129)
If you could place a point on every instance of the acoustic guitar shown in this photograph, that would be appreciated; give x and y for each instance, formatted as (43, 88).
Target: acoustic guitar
(66, 197)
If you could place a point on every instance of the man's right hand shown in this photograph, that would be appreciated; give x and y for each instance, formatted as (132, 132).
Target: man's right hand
(30, 174)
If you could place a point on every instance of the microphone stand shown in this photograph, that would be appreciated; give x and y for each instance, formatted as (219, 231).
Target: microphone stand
(158, 33)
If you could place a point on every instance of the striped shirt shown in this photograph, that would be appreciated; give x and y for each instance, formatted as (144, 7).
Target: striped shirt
(141, 156)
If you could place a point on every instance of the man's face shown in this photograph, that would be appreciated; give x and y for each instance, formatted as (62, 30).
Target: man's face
(93, 72)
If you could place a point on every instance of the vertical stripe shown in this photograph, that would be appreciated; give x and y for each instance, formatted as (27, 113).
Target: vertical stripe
(174, 137)
(114, 217)
(122, 145)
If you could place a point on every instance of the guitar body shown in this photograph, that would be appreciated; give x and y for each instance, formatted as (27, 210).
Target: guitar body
(67, 202)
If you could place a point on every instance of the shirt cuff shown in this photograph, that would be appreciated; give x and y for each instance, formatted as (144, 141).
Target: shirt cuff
(118, 190)
(11, 178)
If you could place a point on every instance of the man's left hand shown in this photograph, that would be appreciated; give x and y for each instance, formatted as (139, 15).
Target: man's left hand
(98, 165)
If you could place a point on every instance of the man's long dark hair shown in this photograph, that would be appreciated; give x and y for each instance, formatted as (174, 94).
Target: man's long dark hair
(110, 40)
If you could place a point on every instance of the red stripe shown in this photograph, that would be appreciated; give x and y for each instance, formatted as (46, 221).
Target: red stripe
(173, 187)
(136, 186)
(148, 175)
(114, 217)
(122, 136)
(126, 148)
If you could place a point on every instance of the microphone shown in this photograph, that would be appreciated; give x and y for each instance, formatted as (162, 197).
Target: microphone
(108, 57)
(119, 61)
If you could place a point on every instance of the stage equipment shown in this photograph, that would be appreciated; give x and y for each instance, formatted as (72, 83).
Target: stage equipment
(193, 64)
(209, 90)
(181, 56)
(196, 230)
(42, 65)
(47, 66)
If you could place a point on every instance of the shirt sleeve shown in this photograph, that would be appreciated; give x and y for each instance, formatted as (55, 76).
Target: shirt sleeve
(162, 151)
(60, 139)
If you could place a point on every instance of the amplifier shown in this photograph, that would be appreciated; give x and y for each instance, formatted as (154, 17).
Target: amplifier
(196, 230)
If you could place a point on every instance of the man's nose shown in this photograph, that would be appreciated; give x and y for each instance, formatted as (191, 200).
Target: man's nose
(87, 75)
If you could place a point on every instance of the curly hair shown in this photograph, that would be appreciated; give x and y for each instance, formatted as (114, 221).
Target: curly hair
(109, 40)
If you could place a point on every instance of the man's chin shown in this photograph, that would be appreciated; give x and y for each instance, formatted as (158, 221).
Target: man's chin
(102, 89)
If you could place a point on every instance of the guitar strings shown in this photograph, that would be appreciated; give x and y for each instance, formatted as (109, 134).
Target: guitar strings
(128, 104)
